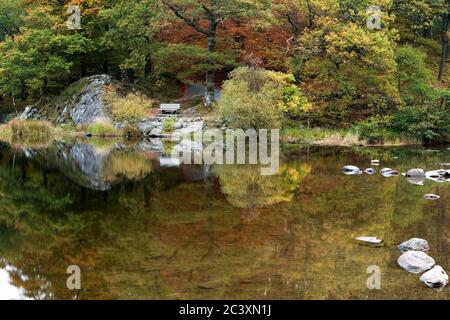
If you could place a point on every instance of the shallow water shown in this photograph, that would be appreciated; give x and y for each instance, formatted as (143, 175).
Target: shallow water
(141, 227)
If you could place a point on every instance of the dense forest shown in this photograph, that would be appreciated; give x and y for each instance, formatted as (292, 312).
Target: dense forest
(318, 63)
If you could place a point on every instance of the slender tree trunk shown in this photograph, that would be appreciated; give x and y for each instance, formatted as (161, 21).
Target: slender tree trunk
(14, 102)
(129, 75)
(105, 66)
(45, 86)
(416, 38)
(444, 47)
(83, 72)
(210, 73)
(148, 66)
(23, 91)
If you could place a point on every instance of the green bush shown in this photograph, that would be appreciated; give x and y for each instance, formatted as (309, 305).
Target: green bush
(428, 122)
(251, 99)
(169, 125)
(131, 108)
(376, 129)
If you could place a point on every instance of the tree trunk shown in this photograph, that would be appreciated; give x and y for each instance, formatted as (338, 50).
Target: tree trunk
(23, 91)
(129, 75)
(83, 71)
(105, 66)
(416, 38)
(210, 73)
(148, 66)
(45, 86)
(444, 47)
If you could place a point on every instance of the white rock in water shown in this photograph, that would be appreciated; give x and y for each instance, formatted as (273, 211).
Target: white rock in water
(416, 261)
(414, 244)
(370, 171)
(351, 170)
(435, 278)
(437, 175)
(371, 240)
(415, 173)
(388, 172)
(432, 197)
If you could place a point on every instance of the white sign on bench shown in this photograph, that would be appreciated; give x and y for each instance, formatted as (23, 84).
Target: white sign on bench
(170, 107)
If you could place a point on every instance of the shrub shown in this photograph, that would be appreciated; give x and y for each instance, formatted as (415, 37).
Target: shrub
(103, 128)
(255, 99)
(131, 108)
(428, 122)
(169, 125)
(28, 130)
(376, 129)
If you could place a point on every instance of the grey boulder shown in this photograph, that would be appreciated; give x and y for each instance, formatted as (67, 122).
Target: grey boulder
(416, 261)
(414, 244)
(435, 278)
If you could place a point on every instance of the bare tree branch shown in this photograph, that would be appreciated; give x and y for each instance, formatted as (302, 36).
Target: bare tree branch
(191, 22)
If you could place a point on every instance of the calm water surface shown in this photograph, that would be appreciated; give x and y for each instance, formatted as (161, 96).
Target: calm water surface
(141, 227)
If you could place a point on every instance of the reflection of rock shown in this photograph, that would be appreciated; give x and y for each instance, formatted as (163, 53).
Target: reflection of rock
(435, 278)
(414, 244)
(97, 168)
(419, 181)
(169, 162)
(83, 164)
(415, 261)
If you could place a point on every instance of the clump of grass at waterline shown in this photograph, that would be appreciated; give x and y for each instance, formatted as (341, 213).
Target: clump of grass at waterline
(339, 137)
(318, 136)
(28, 131)
(103, 128)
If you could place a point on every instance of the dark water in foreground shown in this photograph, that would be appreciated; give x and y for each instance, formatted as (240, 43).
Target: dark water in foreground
(142, 228)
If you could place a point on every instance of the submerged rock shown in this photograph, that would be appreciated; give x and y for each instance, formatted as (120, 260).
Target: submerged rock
(351, 170)
(432, 197)
(414, 244)
(370, 240)
(388, 172)
(435, 278)
(416, 261)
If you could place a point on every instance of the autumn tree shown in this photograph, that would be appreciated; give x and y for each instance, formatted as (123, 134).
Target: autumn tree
(205, 16)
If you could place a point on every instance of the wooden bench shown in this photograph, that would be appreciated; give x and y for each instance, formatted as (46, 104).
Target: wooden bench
(169, 108)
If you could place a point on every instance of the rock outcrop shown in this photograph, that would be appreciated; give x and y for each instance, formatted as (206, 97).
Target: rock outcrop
(83, 101)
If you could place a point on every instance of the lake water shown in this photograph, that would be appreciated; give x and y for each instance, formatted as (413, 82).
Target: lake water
(141, 227)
